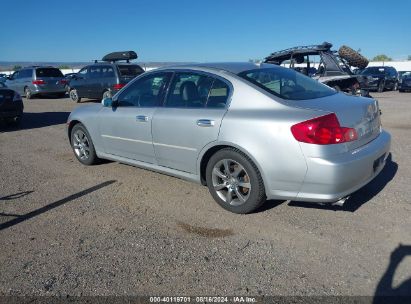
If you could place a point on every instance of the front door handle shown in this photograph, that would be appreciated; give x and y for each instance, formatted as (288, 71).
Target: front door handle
(205, 123)
(141, 118)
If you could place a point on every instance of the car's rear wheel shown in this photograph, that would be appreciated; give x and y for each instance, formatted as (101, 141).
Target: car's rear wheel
(27, 93)
(234, 181)
(83, 145)
(395, 88)
(74, 95)
(107, 94)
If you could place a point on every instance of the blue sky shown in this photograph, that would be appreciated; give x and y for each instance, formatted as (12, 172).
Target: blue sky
(198, 30)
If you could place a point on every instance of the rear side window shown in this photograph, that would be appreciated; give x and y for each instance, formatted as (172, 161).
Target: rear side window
(189, 90)
(287, 83)
(218, 94)
(48, 72)
(95, 72)
(107, 71)
(192, 90)
(26, 73)
(130, 70)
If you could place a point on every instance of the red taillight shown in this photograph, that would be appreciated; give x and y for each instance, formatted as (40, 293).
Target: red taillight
(39, 81)
(323, 130)
(63, 81)
(118, 86)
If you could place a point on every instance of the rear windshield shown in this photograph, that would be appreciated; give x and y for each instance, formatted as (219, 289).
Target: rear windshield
(373, 71)
(130, 70)
(48, 72)
(287, 83)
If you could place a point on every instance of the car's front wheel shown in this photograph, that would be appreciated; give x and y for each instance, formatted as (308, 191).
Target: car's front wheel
(74, 95)
(83, 145)
(234, 181)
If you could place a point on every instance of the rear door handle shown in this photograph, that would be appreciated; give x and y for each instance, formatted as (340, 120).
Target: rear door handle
(141, 118)
(205, 123)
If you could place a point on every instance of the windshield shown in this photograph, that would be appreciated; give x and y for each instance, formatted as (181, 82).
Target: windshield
(48, 72)
(287, 83)
(373, 71)
(130, 70)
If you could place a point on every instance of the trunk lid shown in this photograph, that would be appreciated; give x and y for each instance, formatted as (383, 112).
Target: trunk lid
(360, 113)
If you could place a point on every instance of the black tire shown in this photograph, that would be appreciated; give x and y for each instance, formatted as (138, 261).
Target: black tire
(27, 93)
(107, 94)
(401, 90)
(395, 87)
(353, 58)
(254, 195)
(15, 122)
(74, 96)
(83, 147)
(381, 86)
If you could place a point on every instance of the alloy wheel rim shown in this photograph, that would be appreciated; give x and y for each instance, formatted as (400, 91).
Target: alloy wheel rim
(81, 145)
(231, 182)
(73, 95)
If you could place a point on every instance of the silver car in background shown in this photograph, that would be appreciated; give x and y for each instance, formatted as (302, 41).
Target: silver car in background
(249, 132)
(38, 80)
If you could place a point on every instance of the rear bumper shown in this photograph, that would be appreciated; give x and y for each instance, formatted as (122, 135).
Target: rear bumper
(47, 90)
(328, 180)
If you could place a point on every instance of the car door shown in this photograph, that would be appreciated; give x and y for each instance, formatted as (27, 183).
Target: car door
(12, 82)
(95, 87)
(80, 83)
(190, 119)
(126, 128)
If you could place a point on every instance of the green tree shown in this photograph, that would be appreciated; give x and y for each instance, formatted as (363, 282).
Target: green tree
(64, 67)
(17, 67)
(381, 57)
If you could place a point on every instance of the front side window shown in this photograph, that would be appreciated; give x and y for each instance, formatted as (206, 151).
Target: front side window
(145, 92)
(83, 72)
(287, 84)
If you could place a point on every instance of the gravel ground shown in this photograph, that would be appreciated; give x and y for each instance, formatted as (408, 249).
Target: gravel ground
(113, 229)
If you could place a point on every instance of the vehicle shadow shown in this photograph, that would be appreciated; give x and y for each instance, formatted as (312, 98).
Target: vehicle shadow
(37, 120)
(385, 292)
(361, 196)
(15, 195)
(24, 217)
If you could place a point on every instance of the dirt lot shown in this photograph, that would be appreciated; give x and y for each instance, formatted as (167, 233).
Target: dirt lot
(113, 229)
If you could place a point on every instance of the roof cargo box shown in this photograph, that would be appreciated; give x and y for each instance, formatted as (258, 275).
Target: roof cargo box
(116, 56)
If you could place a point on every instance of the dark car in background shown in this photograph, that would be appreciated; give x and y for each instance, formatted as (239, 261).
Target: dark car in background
(404, 81)
(381, 78)
(104, 78)
(68, 77)
(38, 80)
(3, 77)
(11, 105)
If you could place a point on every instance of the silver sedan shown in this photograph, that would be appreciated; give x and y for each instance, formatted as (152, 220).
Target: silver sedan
(249, 132)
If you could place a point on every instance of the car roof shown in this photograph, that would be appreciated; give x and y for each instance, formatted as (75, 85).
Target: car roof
(232, 67)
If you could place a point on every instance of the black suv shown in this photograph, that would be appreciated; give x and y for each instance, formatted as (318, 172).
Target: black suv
(381, 78)
(103, 79)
